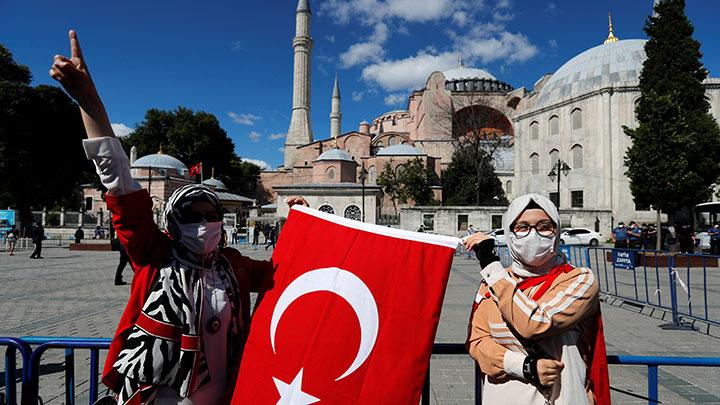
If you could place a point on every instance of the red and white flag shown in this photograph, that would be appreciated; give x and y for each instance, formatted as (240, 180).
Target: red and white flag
(351, 316)
(196, 170)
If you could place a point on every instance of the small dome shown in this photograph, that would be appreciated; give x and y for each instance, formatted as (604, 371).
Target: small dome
(400, 150)
(463, 73)
(214, 184)
(160, 161)
(335, 154)
(596, 68)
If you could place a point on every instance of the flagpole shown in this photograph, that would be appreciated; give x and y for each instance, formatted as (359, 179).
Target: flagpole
(201, 173)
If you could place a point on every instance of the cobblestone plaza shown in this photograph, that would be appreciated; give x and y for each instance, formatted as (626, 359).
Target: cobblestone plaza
(72, 294)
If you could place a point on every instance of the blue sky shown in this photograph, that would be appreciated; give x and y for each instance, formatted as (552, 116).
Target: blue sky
(234, 58)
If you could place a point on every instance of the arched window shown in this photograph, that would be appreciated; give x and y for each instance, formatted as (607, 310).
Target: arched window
(399, 170)
(534, 130)
(330, 172)
(577, 156)
(380, 144)
(326, 208)
(535, 163)
(391, 141)
(554, 124)
(508, 187)
(554, 156)
(372, 175)
(576, 118)
(353, 212)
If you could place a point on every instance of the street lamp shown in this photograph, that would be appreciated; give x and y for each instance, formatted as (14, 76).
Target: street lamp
(558, 167)
(363, 177)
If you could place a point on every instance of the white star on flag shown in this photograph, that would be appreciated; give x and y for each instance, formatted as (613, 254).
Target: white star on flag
(291, 394)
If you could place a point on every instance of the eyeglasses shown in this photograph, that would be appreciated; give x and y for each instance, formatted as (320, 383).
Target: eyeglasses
(544, 228)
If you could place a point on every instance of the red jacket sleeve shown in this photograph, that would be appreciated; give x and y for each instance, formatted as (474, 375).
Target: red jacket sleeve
(133, 220)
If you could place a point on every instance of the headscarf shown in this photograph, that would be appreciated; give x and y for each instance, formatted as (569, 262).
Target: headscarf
(516, 208)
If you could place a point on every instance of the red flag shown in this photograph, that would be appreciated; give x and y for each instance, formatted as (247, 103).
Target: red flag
(196, 170)
(351, 316)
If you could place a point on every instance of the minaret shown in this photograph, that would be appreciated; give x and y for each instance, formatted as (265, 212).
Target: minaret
(300, 131)
(335, 114)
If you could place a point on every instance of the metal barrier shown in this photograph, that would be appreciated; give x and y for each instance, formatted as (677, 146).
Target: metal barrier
(14, 345)
(31, 366)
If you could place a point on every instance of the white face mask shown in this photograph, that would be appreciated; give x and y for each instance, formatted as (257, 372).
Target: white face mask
(534, 250)
(200, 238)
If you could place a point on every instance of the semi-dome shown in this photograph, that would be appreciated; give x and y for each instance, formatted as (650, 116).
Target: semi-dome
(596, 68)
(465, 73)
(335, 154)
(400, 150)
(160, 161)
(215, 184)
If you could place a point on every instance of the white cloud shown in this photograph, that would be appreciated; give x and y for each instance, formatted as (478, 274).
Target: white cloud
(276, 136)
(395, 99)
(460, 18)
(254, 136)
(362, 53)
(427, 10)
(121, 129)
(263, 165)
(281, 149)
(330, 38)
(503, 4)
(244, 119)
(237, 46)
(357, 95)
(491, 42)
(411, 72)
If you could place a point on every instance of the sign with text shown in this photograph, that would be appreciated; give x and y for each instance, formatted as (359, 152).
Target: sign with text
(623, 259)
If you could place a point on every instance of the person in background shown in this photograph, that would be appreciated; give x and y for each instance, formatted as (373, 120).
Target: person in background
(714, 234)
(234, 236)
(620, 236)
(79, 235)
(38, 236)
(11, 238)
(256, 235)
(634, 236)
(685, 237)
(123, 260)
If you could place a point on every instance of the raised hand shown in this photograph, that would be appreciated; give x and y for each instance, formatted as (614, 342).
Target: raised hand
(73, 74)
(75, 78)
(473, 240)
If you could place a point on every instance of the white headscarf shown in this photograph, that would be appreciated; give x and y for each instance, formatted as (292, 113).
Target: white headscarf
(519, 265)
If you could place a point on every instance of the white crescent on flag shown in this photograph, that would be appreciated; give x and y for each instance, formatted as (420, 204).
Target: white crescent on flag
(349, 287)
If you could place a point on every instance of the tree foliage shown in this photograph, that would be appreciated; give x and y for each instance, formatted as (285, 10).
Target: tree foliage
(673, 160)
(470, 178)
(194, 137)
(408, 183)
(41, 156)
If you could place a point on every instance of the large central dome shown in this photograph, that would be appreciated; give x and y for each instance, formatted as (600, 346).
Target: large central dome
(596, 68)
(465, 73)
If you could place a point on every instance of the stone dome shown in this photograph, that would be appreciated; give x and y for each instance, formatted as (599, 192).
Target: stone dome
(160, 161)
(400, 150)
(214, 184)
(335, 154)
(464, 73)
(596, 68)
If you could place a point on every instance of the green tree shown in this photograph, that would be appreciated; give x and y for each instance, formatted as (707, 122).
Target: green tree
(41, 165)
(673, 161)
(470, 178)
(194, 137)
(409, 183)
(390, 186)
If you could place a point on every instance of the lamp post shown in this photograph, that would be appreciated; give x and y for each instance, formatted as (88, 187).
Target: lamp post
(363, 177)
(558, 167)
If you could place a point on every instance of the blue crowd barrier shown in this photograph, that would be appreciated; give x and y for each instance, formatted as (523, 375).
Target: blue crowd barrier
(32, 358)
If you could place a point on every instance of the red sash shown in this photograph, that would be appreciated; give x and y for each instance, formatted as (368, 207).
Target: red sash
(598, 367)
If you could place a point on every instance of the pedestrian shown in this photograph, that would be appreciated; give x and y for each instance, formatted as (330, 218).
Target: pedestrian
(421, 229)
(471, 230)
(535, 328)
(116, 245)
(37, 235)
(11, 238)
(234, 236)
(272, 235)
(620, 236)
(79, 235)
(685, 237)
(98, 232)
(634, 236)
(714, 234)
(256, 235)
(180, 338)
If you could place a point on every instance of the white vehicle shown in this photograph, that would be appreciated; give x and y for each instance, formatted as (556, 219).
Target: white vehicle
(580, 236)
(499, 236)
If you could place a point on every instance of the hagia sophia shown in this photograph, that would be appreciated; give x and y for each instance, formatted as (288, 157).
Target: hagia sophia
(574, 115)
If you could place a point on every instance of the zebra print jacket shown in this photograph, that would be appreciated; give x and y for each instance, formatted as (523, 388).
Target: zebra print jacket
(154, 347)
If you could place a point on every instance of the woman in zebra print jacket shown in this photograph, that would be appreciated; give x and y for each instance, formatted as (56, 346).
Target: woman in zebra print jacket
(180, 338)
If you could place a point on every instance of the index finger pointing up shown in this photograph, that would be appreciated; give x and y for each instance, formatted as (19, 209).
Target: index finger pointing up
(74, 45)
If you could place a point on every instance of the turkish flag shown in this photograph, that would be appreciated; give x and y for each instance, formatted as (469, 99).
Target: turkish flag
(196, 169)
(351, 316)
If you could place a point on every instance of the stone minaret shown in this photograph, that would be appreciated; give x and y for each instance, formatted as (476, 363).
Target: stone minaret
(335, 114)
(300, 131)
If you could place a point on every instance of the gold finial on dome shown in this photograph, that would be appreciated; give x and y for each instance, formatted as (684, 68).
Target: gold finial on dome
(611, 36)
(212, 172)
(160, 150)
